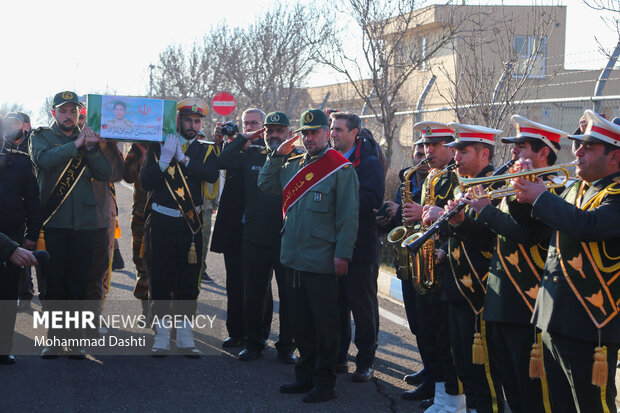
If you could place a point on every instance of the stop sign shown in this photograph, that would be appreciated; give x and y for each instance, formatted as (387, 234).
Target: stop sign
(223, 103)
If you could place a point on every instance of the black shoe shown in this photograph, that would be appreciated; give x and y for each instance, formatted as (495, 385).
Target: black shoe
(77, 354)
(232, 342)
(426, 403)
(415, 379)
(423, 392)
(319, 395)
(51, 352)
(362, 375)
(287, 357)
(295, 388)
(342, 368)
(206, 278)
(250, 354)
(158, 353)
(117, 261)
(7, 359)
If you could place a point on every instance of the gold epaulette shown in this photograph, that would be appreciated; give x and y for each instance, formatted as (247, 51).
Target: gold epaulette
(296, 157)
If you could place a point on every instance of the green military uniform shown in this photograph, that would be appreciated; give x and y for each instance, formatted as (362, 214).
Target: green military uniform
(321, 225)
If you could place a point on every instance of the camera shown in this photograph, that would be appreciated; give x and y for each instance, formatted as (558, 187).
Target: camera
(229, 128)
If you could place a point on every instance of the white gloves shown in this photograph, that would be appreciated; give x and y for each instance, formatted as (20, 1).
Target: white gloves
(168, 150)
(179, 155)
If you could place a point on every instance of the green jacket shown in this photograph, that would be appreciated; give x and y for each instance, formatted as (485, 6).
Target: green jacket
(50, 151)
(323, 223)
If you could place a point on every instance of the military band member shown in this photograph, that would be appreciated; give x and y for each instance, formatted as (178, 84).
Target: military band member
(469, 253)
(320, 205)
(175, 175)
(262, 223)
(67, 160)
(433, 333)
(577, 305)
(515, 273)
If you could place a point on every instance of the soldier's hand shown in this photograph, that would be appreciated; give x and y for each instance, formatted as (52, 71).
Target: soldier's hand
(527, 191)
(430, 214)
(381, 220)
(441, 256)
(169, 148)
(458, 218)
(254, 136)
(477, 204)
(28, 244)
(341, 266)
(79, 142)
(287, 146)
(392, 209)
(412, 212)
(91, 138)
(22, 258)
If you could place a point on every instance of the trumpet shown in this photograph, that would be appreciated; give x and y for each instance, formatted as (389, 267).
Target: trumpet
(551, 181)
(414, 244)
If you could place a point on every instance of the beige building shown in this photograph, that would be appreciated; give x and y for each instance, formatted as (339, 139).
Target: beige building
(521, 48)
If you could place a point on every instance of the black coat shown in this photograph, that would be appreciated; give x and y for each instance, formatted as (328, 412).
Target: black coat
(19, 197)
(227, 230)
(557, 308)
(372, 186)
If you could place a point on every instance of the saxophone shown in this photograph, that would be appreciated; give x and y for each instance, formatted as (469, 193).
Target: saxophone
(422, 263)
(400, 233)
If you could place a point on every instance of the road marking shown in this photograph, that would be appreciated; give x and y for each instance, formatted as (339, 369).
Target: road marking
(393, 317)
(382, 312)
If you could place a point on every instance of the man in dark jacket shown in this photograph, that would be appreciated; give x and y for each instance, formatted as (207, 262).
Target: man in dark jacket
(358, 288)
(19, 208)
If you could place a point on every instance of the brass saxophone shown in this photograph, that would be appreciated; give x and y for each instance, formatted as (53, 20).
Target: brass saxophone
(400, 233)
(422, 263)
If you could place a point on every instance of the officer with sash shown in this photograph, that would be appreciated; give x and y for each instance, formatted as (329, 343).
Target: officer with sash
(577, 305)
(515, 274)
(67, 160)
(320, 204)
(174, 173)
(469, 251)
(433, 333)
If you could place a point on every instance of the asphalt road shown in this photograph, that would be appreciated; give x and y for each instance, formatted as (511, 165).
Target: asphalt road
(217, 382)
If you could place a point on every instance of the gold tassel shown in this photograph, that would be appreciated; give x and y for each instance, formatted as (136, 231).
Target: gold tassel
(477, 351)
(192, 258)
(41, 241)
(537, 368)
(117, 231)
(600, 367)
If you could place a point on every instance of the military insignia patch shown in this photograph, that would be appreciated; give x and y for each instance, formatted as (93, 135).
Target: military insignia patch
(67, 95)
(318, 197)
(309, 176)
(195, 108)
(308, 117)
(275, 117)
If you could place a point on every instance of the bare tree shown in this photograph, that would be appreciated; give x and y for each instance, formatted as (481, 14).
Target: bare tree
(45, 112)
(396, 42)
(264, 64)
(612, 20)
(10, 107)
(496, 58)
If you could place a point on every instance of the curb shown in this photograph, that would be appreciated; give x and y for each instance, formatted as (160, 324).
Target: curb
(389, 285)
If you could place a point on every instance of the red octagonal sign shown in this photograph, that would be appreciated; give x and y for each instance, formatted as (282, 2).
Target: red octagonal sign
(223, 103)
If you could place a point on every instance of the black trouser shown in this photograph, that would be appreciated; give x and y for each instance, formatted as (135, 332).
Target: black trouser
(357, 294)
(234, 291)
(409, 299)
(314, 313)
(258, 261)
(9, 275)
(569, 372)
(26, 287)
(510, 345)
(172, 277)
(66, 274)
(434, 339)
(101, 262)
(481, 382)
